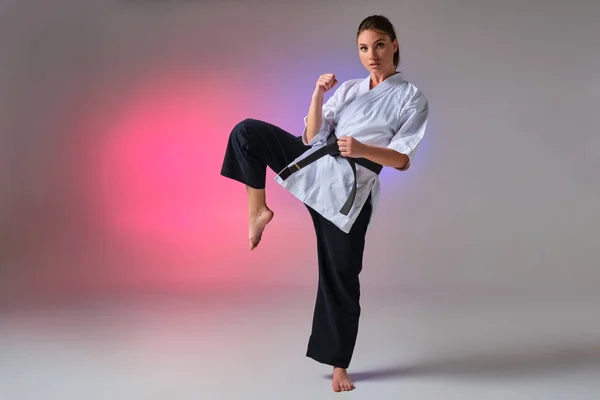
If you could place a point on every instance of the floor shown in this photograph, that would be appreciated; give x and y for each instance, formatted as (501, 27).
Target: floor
(229, 344)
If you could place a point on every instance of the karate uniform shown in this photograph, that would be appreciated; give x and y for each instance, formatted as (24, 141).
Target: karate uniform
(392, 115)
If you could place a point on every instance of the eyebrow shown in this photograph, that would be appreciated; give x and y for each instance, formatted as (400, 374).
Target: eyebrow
(379, 40)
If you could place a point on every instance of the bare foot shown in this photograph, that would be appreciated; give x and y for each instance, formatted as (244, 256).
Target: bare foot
(257, 224)
(341, 382)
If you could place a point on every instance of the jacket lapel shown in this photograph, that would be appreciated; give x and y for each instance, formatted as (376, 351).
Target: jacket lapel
(365, 95)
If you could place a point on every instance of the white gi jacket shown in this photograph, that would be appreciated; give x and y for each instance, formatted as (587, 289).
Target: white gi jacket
(392, 115)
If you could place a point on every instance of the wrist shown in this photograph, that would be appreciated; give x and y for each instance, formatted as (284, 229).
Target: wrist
(367, 151)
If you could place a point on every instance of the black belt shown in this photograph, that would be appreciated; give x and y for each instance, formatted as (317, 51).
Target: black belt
(332, 149)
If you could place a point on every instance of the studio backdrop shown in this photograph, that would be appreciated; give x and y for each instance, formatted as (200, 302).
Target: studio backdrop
(114, 117)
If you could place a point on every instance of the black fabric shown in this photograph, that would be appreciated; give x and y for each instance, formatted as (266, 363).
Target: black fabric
(337, 307)
(253, 145)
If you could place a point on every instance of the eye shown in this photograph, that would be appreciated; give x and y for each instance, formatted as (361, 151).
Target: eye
(363, 48)
(379, 44)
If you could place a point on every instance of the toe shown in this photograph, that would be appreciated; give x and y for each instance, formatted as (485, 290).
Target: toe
(254, 241)
(336, 385)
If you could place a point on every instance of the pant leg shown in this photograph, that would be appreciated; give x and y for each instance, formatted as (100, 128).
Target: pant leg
(337, 308)
(253, 145)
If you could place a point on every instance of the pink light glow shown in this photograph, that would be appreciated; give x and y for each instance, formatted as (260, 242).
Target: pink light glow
(155, 175)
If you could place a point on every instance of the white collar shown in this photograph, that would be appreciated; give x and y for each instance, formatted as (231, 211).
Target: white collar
(365, 85)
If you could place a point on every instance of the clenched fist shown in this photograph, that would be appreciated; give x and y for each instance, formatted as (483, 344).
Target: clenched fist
(325, 82)
(350, 147)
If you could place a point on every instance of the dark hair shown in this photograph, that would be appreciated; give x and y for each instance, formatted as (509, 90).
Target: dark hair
(381, 24)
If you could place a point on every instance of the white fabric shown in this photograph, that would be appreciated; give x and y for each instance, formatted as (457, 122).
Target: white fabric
(393, 115)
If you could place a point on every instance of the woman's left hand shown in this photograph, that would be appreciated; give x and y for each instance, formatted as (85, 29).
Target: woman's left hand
(350, 147)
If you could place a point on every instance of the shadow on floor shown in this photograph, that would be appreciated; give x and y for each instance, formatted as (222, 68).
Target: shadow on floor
(498, 365)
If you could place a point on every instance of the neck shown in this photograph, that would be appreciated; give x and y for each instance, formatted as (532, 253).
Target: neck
(377, 78)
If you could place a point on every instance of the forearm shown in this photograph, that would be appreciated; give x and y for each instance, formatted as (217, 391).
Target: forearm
(386, 157)
(315, 115)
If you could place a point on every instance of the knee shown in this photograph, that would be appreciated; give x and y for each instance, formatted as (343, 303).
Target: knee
(245, 127)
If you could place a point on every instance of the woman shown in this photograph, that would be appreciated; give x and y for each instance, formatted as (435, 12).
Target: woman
(333, 169)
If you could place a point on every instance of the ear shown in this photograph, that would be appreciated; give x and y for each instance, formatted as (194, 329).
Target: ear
(395, 42)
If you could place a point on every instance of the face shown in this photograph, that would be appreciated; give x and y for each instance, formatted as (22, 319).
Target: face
(376, 51)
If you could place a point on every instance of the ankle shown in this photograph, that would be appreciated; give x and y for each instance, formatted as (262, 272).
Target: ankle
(256, 211)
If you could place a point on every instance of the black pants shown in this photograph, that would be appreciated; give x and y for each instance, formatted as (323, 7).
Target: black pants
(253, 145)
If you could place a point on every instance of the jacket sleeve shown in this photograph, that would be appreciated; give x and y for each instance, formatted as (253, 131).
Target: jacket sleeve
(413, 122)
(328, 118)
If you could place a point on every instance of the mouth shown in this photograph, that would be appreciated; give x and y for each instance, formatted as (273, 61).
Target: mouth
(373, 64)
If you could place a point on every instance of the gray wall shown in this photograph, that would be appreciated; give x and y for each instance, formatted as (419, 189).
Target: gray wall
(504, 193)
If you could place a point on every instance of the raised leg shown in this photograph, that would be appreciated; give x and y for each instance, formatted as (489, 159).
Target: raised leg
(253, 146)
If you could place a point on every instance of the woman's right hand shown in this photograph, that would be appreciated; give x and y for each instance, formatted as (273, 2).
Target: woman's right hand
(325, 82)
